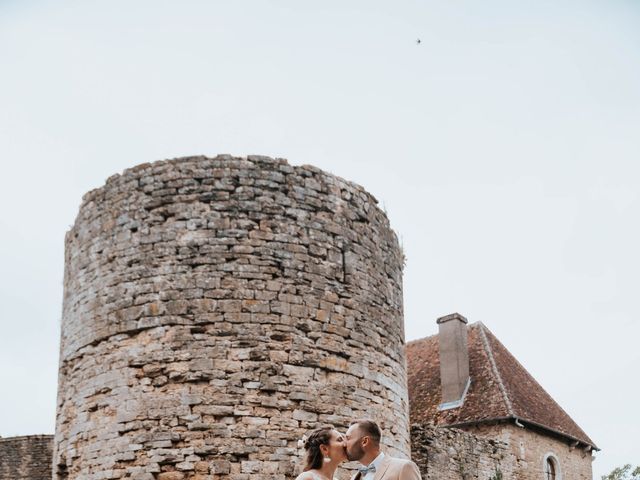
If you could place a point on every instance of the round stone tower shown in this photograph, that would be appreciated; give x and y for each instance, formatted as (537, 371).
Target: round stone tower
(215, 309)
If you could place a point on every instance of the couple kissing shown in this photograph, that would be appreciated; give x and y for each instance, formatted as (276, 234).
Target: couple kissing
(326, 448)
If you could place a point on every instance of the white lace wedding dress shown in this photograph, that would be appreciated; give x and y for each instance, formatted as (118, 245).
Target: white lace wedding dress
(314, 475)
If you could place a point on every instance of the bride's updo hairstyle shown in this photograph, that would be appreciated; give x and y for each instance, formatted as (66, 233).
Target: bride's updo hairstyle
(314, 458)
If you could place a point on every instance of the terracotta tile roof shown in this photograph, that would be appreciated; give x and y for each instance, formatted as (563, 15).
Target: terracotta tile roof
(501, 388)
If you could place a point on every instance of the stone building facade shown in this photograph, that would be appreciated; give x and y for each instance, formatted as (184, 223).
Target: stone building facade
(441, 454)
(453, 454)
(533, 448)
(215, 310)
(26, 458)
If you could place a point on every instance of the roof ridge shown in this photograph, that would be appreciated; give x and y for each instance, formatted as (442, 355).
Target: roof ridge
(494, 369)
(415, 340)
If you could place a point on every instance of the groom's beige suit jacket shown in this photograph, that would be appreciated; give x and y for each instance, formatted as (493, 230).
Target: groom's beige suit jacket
(394, 469)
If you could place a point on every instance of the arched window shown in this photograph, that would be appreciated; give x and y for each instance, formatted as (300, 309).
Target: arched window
(551, 467)
(549, 470)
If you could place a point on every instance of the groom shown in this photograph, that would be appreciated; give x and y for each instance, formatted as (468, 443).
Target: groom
(363, 444)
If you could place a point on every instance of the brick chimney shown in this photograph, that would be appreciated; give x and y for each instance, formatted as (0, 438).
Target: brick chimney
(454, 360)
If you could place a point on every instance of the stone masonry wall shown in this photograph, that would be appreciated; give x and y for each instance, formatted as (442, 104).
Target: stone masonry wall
(531, 448)
(451, 454)
(26, 458)
(215, 309)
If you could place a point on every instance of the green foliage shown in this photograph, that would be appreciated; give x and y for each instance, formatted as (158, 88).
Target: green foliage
(623, 473)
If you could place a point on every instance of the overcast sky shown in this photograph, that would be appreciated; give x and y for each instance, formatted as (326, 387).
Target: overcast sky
(504, 148)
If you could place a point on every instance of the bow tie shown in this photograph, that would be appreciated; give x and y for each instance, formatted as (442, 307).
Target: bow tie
(364, 470)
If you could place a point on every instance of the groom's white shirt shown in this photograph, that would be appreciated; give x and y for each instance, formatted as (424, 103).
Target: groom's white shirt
(376, 463)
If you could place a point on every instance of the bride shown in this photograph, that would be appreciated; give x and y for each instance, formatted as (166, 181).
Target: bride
(325, 450)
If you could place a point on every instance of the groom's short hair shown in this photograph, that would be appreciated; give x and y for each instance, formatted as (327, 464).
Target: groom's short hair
(369, 428)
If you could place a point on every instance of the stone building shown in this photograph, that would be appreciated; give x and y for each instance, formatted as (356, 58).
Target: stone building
(26, 458)
(464, 378)
(216, 309)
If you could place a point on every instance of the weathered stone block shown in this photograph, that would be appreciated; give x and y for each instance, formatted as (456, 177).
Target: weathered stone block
(224, 315)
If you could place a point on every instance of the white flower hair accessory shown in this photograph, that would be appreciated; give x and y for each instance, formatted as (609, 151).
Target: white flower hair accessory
(302, 442)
